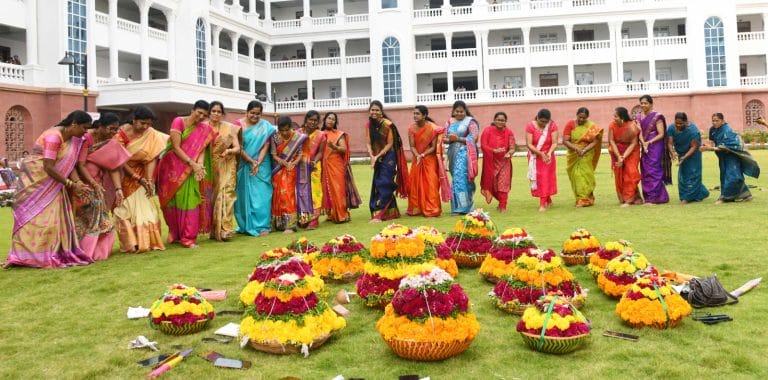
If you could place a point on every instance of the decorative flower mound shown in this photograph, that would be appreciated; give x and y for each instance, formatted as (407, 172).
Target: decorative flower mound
(651, 302)
(622, 272)
(304, 247)
(612, 250)
(579, 247)
(272, 264)
(553, 325)
(180, 310)
(428, 318)
(507, 248)
(340, 259)
(286, 311)
(434, 238)
(395, 252)
(471, 238)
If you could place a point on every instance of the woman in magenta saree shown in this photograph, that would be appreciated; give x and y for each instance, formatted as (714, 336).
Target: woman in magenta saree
(185, 198)
(390, 170)
(44, 230)
(655, 163)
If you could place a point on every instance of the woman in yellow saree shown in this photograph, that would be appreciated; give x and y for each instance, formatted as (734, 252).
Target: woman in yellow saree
(583, 138)
(224, 151)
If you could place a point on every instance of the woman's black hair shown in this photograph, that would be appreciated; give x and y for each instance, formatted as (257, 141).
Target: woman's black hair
(335, 125)
(284, 120)
(719, 115)
(623, 114)
(106, 119)
(77, 117)
(381, 107)
(500, 113)
(254, 104)
(143, 113)
(647, 98)
(217, 103)
(544, 114)
(309, 114)
(460, 103)
(201, 104)
(682, 116)
(583, 110)
(424, 111)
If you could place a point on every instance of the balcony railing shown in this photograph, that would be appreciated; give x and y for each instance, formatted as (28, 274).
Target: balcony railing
(461, 11)
(545, 4)
(755, 81)
(10, 73)
(291, 104)
(260, 63)
(320, 21)
(461, 53)
(356, 19)
(667, 85)
(431, 54)
(102, 18)
(504, 7)
(587, 3)
(243, 58)
(511, 93)
(550, 91)
(591, 89)
(286, 24)
(292, 64)
(225, 53)
(591, 45)
(634, 42)
(431, 97)
(670, 40)
(158, 34)
(352, 59)
(638, 86)
(544, 48)
(506, 50)
(465, 95)
(128, 26)
(751, 36)
(327, 103)
(363, 101)
(330, 61)
(427, 13)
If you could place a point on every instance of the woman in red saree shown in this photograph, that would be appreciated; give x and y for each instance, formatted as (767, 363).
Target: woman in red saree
(428, 178)
(286, 150)
(625, 156)
(498, 145)
(339, 189)
(541, 138)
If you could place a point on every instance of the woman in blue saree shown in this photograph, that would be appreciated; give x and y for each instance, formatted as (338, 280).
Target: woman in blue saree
(253, 210)
(684, 140)
(461, 136)
(655, 163)
(735, 162)
(390, 169)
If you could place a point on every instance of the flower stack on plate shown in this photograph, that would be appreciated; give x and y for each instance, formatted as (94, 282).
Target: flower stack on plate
(620, 273)
(651, 302)
(434, 238)
(612, 250)
(180, 310)
(271, 264)
(552, 325)
(471, 238)
(340, 259)
(304, 247)
(506, 249)
(579, 247)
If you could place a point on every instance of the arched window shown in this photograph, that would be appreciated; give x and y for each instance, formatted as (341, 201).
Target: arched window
(14, 132)
(76, 38)
(200, 46)
(714, 45)
(752, 111)
(390, 57)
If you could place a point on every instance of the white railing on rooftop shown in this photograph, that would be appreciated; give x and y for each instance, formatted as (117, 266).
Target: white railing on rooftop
(128, 26)
(292, 64)
(506, 50)
(320, 21)
(751, 36)
(666, 85)
(327, 103)
(460, 53)
(158, 34)
(431, 54)
(225, 53)
(669, 40)
(354, 19)
(545, 48)
(361, 101)
(427, 13)
(351, 59)
(634, 42)
(550, 91)
(286, 24)
(10, 73)
(102, 18)
(431, 97)
(752, 81)
(102, 80)
(328, 61)
(591, 45)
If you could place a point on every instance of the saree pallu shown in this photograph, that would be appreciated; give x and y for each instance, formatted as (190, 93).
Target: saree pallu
(284, 214)
(137, 219)
(185, 201)
(496, 179)
(655, 165)
(581, 170)
(224, 172)
(735, 162)
(309, 182)
(44, 234)
(462, 163)
(254, 192)
(544, 183)
(627, 176)
(95, 229)
(338, 185)
(689, 185)
(425, 176)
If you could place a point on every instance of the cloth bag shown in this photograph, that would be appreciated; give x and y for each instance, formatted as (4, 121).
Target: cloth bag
(708, 292)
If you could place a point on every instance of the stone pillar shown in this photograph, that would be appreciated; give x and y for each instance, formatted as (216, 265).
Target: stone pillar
(267, 11)
(252, 8)
(343, 57)
(114, 58)
(215, 32)
(306, 8)
(652, 59)
(31, 19)
(144, 35)
(268, 64)
(235, 37)
(482, 37)
(527, 46)
(614, 35)
(448, 52)
(251, 75)
(340, 8)
(569, 54)
(308, 70)
(170, 16)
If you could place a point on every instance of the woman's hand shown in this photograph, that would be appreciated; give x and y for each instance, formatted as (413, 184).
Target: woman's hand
(546, 157)
(81, 189)
(119, 197)
(255, 167)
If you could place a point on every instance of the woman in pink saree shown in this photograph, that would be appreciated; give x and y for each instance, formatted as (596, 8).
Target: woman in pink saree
(498, 145)
(44, 230)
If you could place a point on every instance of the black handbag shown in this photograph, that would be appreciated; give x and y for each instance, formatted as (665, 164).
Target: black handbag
(708, 292)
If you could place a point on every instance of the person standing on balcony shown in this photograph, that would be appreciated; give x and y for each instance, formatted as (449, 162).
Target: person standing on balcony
(583, 138)
(735, 162)
(461, 136)
(625, 156)
(137, 212)
(655, 162)
(683, 141)
(309, 177)
(224, 151)
(339, 190)
(498, 145)
(541, 138)
(286, 151)
(390, 170)
(254, 173)
(428, 178)
(44, 235)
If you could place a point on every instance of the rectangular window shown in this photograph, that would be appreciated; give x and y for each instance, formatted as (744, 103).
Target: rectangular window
(388, 4)
(333, 52)
(76, 39)
(585, 78)
(547, 38)
(661, 31)
(663, 73)
(335, 92)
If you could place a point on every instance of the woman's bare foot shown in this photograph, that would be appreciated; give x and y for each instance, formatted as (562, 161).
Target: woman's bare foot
(375, 220)
(624, 205)
(288, 231)
(719, 202)
(542, 209)
(683, 203)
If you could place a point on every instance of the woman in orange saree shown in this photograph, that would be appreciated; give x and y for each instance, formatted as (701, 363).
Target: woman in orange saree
(338, 185)
(428, 177)
(137, 210)
(286, 150)
(625, 156)
(583, 138)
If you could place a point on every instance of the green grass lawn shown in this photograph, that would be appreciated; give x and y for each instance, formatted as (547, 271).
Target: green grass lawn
(71, 323)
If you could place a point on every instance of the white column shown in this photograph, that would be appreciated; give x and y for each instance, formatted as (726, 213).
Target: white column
(652, 58)
(251, 75)
(527, 46)
(343, 55)
(448, 48)
(268, 64)
(252, 8)
(215, 32)
(114, 57)
(340, 7)
(569, 54)
(267, 11)
(235, 37)
(144, 35)
(615, 41)
(31, 19)
(308, 48)
(170, 16)
(482, 37)
(306, 8)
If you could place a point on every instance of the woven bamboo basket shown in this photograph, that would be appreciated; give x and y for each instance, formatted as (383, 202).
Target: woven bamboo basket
(555, 345)
(189, 328)
(346, 278)
(490, 278)
(576, 259)
(427, 351)
(519, 309)
(468, 260)
(273, 347)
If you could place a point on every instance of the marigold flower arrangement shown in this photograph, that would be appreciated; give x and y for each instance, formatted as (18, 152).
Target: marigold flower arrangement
(395, 252)
(651, 302)
(612, 249)
(180, 310)
(434, 238)
(272, 264)
(340, 259)
(506, 249)
(305, 247)
(553, 325)
(471, 238)
(579, 247)
(621, 272)
(428, 318)
(287, 316)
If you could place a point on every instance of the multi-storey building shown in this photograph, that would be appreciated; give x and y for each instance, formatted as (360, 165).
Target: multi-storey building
(700, 56)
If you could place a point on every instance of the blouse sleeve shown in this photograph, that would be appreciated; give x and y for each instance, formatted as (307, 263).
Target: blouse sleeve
(87, 143)
(568, 128)
(51, 146)
(529, 128)
(177, 124)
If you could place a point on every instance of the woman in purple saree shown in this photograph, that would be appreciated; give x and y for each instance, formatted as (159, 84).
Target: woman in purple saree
(655, 163)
